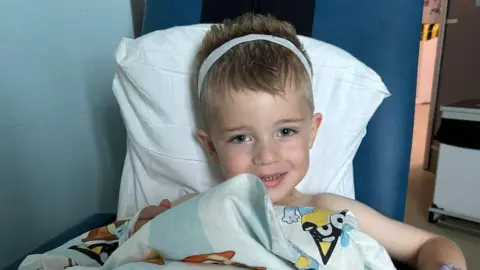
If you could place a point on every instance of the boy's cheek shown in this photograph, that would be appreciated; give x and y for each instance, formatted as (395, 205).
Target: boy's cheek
(298, 154)
(235, 164)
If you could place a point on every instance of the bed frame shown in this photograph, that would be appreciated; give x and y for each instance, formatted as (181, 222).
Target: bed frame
(377, 33)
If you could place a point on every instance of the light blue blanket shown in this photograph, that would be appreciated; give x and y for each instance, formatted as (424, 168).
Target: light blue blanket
(231, 225)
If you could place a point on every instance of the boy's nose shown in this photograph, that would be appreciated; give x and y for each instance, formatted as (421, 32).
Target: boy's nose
(265, 152)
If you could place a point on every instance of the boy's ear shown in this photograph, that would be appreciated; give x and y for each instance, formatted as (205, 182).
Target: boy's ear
(207, 144)
(316, 122)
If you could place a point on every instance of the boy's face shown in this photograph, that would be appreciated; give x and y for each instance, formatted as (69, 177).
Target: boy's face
(265, 135)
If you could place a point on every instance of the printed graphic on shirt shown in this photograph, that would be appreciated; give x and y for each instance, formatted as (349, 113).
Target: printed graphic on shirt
(325, 227)
(305, 262)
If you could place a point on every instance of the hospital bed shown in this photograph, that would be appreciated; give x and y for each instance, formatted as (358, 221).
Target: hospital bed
(375, 32)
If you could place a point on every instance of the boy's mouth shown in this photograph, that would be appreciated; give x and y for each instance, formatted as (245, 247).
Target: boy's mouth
(271, 177)
(272, 180)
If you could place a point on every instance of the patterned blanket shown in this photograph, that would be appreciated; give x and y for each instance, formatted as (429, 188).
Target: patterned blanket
(233, 225)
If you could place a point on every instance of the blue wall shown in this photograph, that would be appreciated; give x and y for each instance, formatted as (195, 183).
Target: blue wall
(61, 136)
(385, 36)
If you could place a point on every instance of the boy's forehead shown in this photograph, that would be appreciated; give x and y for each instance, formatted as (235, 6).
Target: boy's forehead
(247, 96)
(250, 107)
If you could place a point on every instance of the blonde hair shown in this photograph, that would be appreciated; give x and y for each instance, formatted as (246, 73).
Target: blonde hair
(256, 65)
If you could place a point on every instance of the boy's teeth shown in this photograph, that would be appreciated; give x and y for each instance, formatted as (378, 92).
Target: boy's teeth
(270, 177)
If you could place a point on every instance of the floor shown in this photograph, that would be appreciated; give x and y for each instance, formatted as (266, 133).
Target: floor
(420, 194)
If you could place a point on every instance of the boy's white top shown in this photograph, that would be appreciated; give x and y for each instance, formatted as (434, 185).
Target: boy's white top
(155, 87)
(218, 52)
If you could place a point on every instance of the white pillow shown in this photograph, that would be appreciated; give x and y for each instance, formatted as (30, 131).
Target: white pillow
(153, 86)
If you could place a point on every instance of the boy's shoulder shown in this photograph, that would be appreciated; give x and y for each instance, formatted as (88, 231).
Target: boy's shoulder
(327, 201)
(332, 202)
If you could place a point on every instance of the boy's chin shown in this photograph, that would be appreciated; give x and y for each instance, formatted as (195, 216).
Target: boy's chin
(279, 198)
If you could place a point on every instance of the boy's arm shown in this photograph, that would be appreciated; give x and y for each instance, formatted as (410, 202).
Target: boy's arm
(405, 243)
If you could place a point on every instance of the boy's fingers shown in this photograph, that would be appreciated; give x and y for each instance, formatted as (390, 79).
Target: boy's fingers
(165, 203)
(150, 212)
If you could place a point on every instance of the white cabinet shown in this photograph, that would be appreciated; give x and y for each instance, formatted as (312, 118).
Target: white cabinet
(457, 184)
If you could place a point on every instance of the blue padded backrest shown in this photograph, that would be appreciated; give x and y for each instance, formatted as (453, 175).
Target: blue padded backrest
(385, 36)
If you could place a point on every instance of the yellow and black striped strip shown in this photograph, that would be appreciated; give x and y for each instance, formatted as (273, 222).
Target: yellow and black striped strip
(429, 31)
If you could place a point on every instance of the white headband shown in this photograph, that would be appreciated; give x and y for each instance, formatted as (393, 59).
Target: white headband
(217, 53)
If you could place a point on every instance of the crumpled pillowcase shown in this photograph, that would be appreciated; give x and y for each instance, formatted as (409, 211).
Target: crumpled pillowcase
(153, 87)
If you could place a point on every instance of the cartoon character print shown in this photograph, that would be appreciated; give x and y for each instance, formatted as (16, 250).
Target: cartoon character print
(305, 262)
(100, 243)
(110, 232)
(98, 252)
(70, 263)
(325, 227)
(222, 258)
(155, 258)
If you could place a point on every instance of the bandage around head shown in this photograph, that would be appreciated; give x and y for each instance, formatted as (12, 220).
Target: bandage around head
(217, 53)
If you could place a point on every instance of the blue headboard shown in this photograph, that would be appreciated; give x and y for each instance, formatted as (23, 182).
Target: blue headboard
(382, 34)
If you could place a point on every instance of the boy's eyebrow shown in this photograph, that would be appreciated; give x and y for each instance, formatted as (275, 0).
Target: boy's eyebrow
(290, 120)
(235, 128)
(279, 122)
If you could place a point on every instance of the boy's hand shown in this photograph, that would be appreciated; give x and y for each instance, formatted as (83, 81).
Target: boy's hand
(150, 212)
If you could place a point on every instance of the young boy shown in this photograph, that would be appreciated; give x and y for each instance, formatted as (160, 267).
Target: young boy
(257, 107)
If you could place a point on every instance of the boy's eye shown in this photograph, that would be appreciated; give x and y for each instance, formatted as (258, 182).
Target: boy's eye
(240, 139)
(287, 132)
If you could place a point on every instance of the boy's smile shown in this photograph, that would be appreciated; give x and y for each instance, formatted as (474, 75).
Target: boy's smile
(264, 135)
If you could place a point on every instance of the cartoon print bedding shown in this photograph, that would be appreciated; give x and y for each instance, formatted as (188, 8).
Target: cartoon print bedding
(233, 225)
